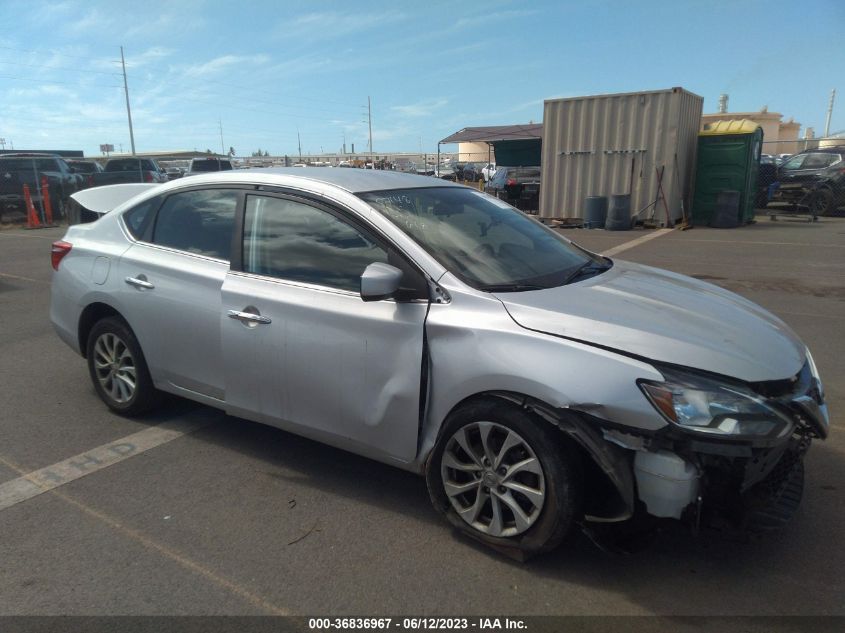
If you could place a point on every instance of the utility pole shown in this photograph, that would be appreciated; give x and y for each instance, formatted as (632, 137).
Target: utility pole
(299, 143)
(829, 113)
(370, 119)
(222, 146)
(128, 111)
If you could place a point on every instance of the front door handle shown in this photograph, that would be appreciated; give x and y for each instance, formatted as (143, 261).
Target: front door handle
(248, 317)
(139, 282)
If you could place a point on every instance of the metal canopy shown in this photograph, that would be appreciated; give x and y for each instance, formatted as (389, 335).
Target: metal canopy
(495, 133)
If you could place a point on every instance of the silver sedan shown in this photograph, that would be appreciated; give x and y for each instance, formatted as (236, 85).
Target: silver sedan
(536, 385)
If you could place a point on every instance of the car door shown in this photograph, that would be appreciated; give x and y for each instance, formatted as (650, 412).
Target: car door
(303, 350)
(170, 285)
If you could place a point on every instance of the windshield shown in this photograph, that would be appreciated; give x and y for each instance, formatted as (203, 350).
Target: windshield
(483, 241)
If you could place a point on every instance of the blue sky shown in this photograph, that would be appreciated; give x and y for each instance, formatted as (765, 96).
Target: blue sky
(269, 69)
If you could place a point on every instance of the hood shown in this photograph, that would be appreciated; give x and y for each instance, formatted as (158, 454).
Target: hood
(664, 317)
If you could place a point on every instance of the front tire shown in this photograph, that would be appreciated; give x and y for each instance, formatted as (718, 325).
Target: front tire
(505, 477)
(118, 369)
(821, 202)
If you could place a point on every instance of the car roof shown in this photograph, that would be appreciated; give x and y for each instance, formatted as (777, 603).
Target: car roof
(351, 180)
(836, 149)
(30, 155)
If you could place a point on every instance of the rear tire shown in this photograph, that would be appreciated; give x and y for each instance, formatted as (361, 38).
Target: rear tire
(506, 478)
(118, 369)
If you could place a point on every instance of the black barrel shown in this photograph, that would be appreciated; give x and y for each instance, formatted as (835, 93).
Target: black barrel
(619, 215)
(595, 211)
(726, 213)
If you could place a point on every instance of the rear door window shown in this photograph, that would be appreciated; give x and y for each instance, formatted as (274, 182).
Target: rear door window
(198, 221)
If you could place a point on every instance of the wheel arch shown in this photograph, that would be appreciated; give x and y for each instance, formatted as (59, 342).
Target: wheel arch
(91, 314)
(608, 468)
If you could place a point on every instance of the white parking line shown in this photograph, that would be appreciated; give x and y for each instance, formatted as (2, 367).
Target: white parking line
(44, 479)
(10, 276)
(644, 238)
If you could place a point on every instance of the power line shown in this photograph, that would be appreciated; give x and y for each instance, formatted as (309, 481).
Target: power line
(47, 51)
(69, 83)
(77, 70)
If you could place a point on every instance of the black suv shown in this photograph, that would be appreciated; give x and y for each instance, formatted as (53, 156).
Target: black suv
(814, 179)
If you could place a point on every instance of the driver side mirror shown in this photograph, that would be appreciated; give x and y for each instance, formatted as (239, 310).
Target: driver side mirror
(380, 281)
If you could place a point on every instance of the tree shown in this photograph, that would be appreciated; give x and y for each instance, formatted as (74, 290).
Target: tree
(231, 151)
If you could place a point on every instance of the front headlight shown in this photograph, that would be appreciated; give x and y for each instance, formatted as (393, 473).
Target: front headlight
(705, 405)
(815, 374)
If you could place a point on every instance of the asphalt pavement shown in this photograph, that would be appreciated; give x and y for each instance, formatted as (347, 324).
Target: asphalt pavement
(227, 517)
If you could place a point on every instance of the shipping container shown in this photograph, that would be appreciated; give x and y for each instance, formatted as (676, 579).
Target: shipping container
(618, 144)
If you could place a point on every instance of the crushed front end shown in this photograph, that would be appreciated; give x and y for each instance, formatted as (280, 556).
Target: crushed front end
(730, 457)
(733, 452)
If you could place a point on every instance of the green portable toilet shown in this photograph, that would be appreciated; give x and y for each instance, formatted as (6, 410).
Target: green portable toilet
(728, 160)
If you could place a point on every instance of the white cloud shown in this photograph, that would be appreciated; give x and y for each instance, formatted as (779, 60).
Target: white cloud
(424, 108)
(496, 16)
(220, 63)
(326, 25)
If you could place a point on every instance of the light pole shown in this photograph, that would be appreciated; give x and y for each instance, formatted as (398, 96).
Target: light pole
(128, 111)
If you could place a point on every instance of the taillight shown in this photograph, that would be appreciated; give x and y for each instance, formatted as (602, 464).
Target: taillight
(511, 182)
(90, 180)
(148, 176)
(59, 250)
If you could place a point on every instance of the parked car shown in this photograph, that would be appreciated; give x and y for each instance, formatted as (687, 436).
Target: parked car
(17, 170)
(86, 170)
(814, 179)
(472, 172)
(174, 172)
(343, 305)
(205, 165)
(767, 176)
(517, 185)
(125, 170)
(445, 173)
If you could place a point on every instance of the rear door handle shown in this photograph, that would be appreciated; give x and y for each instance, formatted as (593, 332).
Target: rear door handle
(248, 317)
(139, 282)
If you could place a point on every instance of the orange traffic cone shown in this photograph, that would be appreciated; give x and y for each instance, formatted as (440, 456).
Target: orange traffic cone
(45, 197)
(32, 221)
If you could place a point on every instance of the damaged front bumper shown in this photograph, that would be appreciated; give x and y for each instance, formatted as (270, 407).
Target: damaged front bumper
(678, 472)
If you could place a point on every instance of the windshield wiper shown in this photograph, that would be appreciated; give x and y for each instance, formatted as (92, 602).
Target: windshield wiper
(510, 287)
(588, 269)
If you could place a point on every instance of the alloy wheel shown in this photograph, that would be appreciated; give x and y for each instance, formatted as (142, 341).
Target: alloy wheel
(115, 367)
(493, 479)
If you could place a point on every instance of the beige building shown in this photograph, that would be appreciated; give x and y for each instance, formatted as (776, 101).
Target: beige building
(779, 136)
(476, 153)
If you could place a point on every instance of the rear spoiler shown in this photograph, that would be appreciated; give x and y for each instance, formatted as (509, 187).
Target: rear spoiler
(89, 205)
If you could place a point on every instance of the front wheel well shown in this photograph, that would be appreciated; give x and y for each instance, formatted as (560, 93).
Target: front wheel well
(90, 315)
(607, 474)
